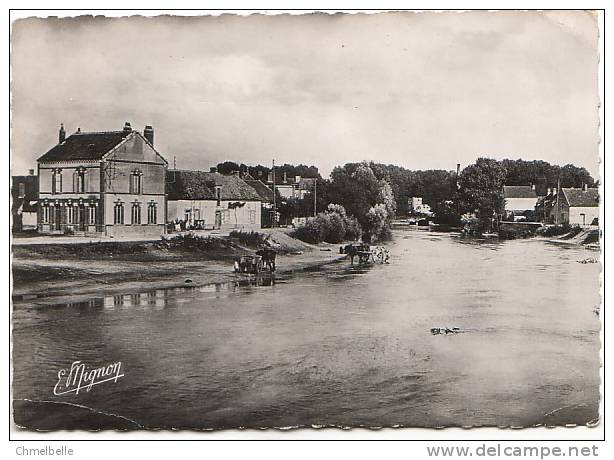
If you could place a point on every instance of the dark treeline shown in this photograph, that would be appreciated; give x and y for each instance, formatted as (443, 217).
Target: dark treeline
(261, 172)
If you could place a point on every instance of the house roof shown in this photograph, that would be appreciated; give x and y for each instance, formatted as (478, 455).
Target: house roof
(580, 198)
(85, 146)
(188, 185)
(200, 185)
(519, 191)
(265, 193)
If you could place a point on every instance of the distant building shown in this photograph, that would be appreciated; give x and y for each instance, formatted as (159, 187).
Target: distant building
(24, 194)
(519, 199)
(104, 183)
(577, 206)
(266, 199)
(305, 186)
(416, 206)
(209, 200)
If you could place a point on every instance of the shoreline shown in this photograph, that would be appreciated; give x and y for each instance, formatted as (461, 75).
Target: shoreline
(101, 278)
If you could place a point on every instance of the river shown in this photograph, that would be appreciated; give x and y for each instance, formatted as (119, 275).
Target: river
(338, 345)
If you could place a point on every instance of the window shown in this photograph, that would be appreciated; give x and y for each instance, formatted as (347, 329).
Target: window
(79, 180)
(225, 216)
(56, 182)
(91, 215)
(136, 213)
(152, 214)
(118, 214)
(252, 216)
(22, 190)
(46, 214)
(70, 214)
(218, 193)
(136, 182)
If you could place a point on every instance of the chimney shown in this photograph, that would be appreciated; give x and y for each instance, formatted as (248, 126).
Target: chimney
(549, 191)
(31, 172)
(148, 133)
(585, 187)
(213, 169)
(127, 127)
(457, 169)
(285, 177)
(270, 178)
(62, 135)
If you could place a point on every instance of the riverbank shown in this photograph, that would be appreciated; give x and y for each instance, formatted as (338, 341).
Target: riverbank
(57, 273)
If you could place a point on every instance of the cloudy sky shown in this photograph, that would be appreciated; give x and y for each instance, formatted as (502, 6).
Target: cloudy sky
(421, 90)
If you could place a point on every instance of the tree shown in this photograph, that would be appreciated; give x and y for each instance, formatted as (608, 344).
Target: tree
(481, 190)
(377, 227)
(227, 167)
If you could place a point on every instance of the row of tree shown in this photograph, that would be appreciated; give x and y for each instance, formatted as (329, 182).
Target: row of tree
(374, 193)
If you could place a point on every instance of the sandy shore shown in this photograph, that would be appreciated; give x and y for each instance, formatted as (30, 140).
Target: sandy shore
(53, 281)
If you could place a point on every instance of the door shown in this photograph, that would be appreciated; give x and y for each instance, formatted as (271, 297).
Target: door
(583, 218)
(218, 219)
(81, 218)
(56, 222)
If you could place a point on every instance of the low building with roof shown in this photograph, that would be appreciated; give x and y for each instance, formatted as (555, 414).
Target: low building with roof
(209, 200)
(105, 183)
(519, 199)
(578, 206)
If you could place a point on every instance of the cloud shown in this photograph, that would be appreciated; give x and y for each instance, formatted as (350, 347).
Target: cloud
(421, 90)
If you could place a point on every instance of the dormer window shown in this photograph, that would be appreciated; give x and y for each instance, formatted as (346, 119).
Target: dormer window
(136, 182)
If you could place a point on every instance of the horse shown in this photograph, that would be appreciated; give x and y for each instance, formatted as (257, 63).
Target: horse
(354, 250)
(268, 257)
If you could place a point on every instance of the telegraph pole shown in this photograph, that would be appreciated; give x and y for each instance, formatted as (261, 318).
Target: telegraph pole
(274, 198)
(558, 192)
(315, 196)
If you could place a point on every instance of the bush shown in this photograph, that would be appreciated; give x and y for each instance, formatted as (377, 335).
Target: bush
(554, 230)
(332, 226)
(190, 242)
(252, 239)
(377, 224)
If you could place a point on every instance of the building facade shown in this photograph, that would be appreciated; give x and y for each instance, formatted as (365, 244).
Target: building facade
(108, 183)
(577, 206)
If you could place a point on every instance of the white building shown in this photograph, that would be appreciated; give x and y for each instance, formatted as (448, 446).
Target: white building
(209, 200)
(519, 198)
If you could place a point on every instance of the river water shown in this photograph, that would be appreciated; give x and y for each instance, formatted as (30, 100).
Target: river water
(339, 345)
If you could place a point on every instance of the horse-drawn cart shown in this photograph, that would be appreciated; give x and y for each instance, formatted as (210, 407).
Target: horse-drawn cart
(365, 253)
(248, 264)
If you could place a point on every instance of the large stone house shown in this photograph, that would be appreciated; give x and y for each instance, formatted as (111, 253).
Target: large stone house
(104, 183)
(209, 200)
